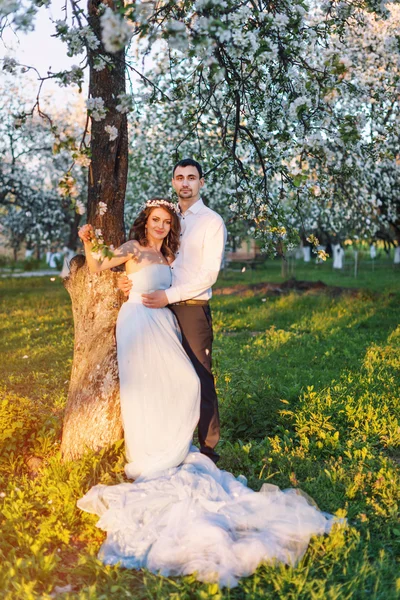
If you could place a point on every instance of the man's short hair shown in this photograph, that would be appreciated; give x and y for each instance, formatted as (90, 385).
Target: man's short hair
(188, 162)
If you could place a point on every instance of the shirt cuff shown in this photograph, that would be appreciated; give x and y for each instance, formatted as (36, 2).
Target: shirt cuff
(173, 295)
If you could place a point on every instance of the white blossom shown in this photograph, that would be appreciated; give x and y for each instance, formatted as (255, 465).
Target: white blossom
(97, 255)
(224, 35)
(90, 37)
(82, 159)
(143, 11)
(102, 208)
(80, 207)
(8, 6)
(96, 108)
(312, 99)
(67, 186)
(201, 4)
(281, 20)
(99, 63)
(112, 132)
(316, 190)
(177, 37)
(72, 37)
(116, 31)
(124, 103)
(9, 64)
(74, 75)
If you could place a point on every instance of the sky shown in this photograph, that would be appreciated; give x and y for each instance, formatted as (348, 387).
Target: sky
(42, 51)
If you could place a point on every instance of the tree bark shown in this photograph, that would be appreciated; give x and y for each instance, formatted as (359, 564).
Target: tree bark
(92, 416)
(109, 167)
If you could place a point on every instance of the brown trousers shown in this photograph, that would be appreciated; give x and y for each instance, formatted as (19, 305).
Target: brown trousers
(197, 337)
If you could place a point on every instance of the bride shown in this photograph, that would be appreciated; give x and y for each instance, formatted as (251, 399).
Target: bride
(181, 514)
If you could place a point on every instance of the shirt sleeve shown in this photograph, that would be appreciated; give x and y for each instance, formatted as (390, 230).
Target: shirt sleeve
(213, 253)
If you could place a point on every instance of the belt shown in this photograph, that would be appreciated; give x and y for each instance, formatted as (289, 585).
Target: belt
(190, 303)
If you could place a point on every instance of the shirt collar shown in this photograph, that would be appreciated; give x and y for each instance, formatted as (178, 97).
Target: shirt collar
(195, 207)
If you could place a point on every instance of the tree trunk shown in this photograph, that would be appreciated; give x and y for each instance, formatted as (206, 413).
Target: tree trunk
(92, 417)
(284, 262)
(284, 268)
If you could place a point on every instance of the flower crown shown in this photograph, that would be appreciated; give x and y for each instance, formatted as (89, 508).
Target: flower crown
(160, 204)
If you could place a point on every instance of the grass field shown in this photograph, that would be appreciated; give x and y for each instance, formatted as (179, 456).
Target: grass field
(309, 394)
(380, 275)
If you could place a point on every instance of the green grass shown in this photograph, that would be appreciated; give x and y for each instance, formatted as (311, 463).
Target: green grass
(309, 395)
(383, 275)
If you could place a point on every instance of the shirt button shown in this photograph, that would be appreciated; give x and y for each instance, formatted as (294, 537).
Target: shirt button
(181, 235)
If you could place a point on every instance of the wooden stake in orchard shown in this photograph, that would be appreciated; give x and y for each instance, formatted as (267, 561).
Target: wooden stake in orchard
(92, 417)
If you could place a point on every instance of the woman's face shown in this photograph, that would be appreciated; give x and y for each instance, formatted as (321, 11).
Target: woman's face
(158, 224)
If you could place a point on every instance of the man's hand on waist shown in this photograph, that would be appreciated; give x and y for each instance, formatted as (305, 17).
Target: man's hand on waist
(156, 299)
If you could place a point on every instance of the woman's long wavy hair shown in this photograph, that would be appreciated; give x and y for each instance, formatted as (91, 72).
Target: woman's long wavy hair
(170, 243)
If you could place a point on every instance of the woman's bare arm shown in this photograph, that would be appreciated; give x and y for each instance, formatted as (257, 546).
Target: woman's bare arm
(127, 251)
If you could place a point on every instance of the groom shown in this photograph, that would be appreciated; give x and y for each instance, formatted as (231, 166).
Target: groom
(194, 271)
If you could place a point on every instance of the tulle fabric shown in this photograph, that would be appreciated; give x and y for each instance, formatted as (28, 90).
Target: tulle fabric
(198, 519)
(182, 514)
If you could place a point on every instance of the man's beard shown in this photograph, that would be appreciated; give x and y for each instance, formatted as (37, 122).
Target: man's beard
(183, 194)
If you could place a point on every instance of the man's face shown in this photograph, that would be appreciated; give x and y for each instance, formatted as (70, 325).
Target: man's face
(187, 183)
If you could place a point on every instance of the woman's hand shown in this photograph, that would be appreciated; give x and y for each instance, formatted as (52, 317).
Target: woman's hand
(86, 233)
(124, 284)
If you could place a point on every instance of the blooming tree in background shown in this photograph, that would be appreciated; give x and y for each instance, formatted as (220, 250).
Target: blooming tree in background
(334, 160)
(159, 139)
(257, 75)
(356, 195)
(33, 209)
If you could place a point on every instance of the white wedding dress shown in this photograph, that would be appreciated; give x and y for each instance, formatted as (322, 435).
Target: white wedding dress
(182, 514)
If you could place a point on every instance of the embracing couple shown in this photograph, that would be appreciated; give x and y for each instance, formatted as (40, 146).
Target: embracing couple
(182, 514)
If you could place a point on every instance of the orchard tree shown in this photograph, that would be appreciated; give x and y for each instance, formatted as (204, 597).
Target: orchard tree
(247, 72)
(92, 416)
(355, 194)
(33, 211)
(377, 61)
(263, 113)
(161, 135)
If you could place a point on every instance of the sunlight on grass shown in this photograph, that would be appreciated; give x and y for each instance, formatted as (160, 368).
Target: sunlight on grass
(309, 396)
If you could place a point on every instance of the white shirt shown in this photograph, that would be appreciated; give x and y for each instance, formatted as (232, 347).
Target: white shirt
(199, 257)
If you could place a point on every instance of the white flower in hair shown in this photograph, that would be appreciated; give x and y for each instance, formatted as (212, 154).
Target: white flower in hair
(160, 204)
